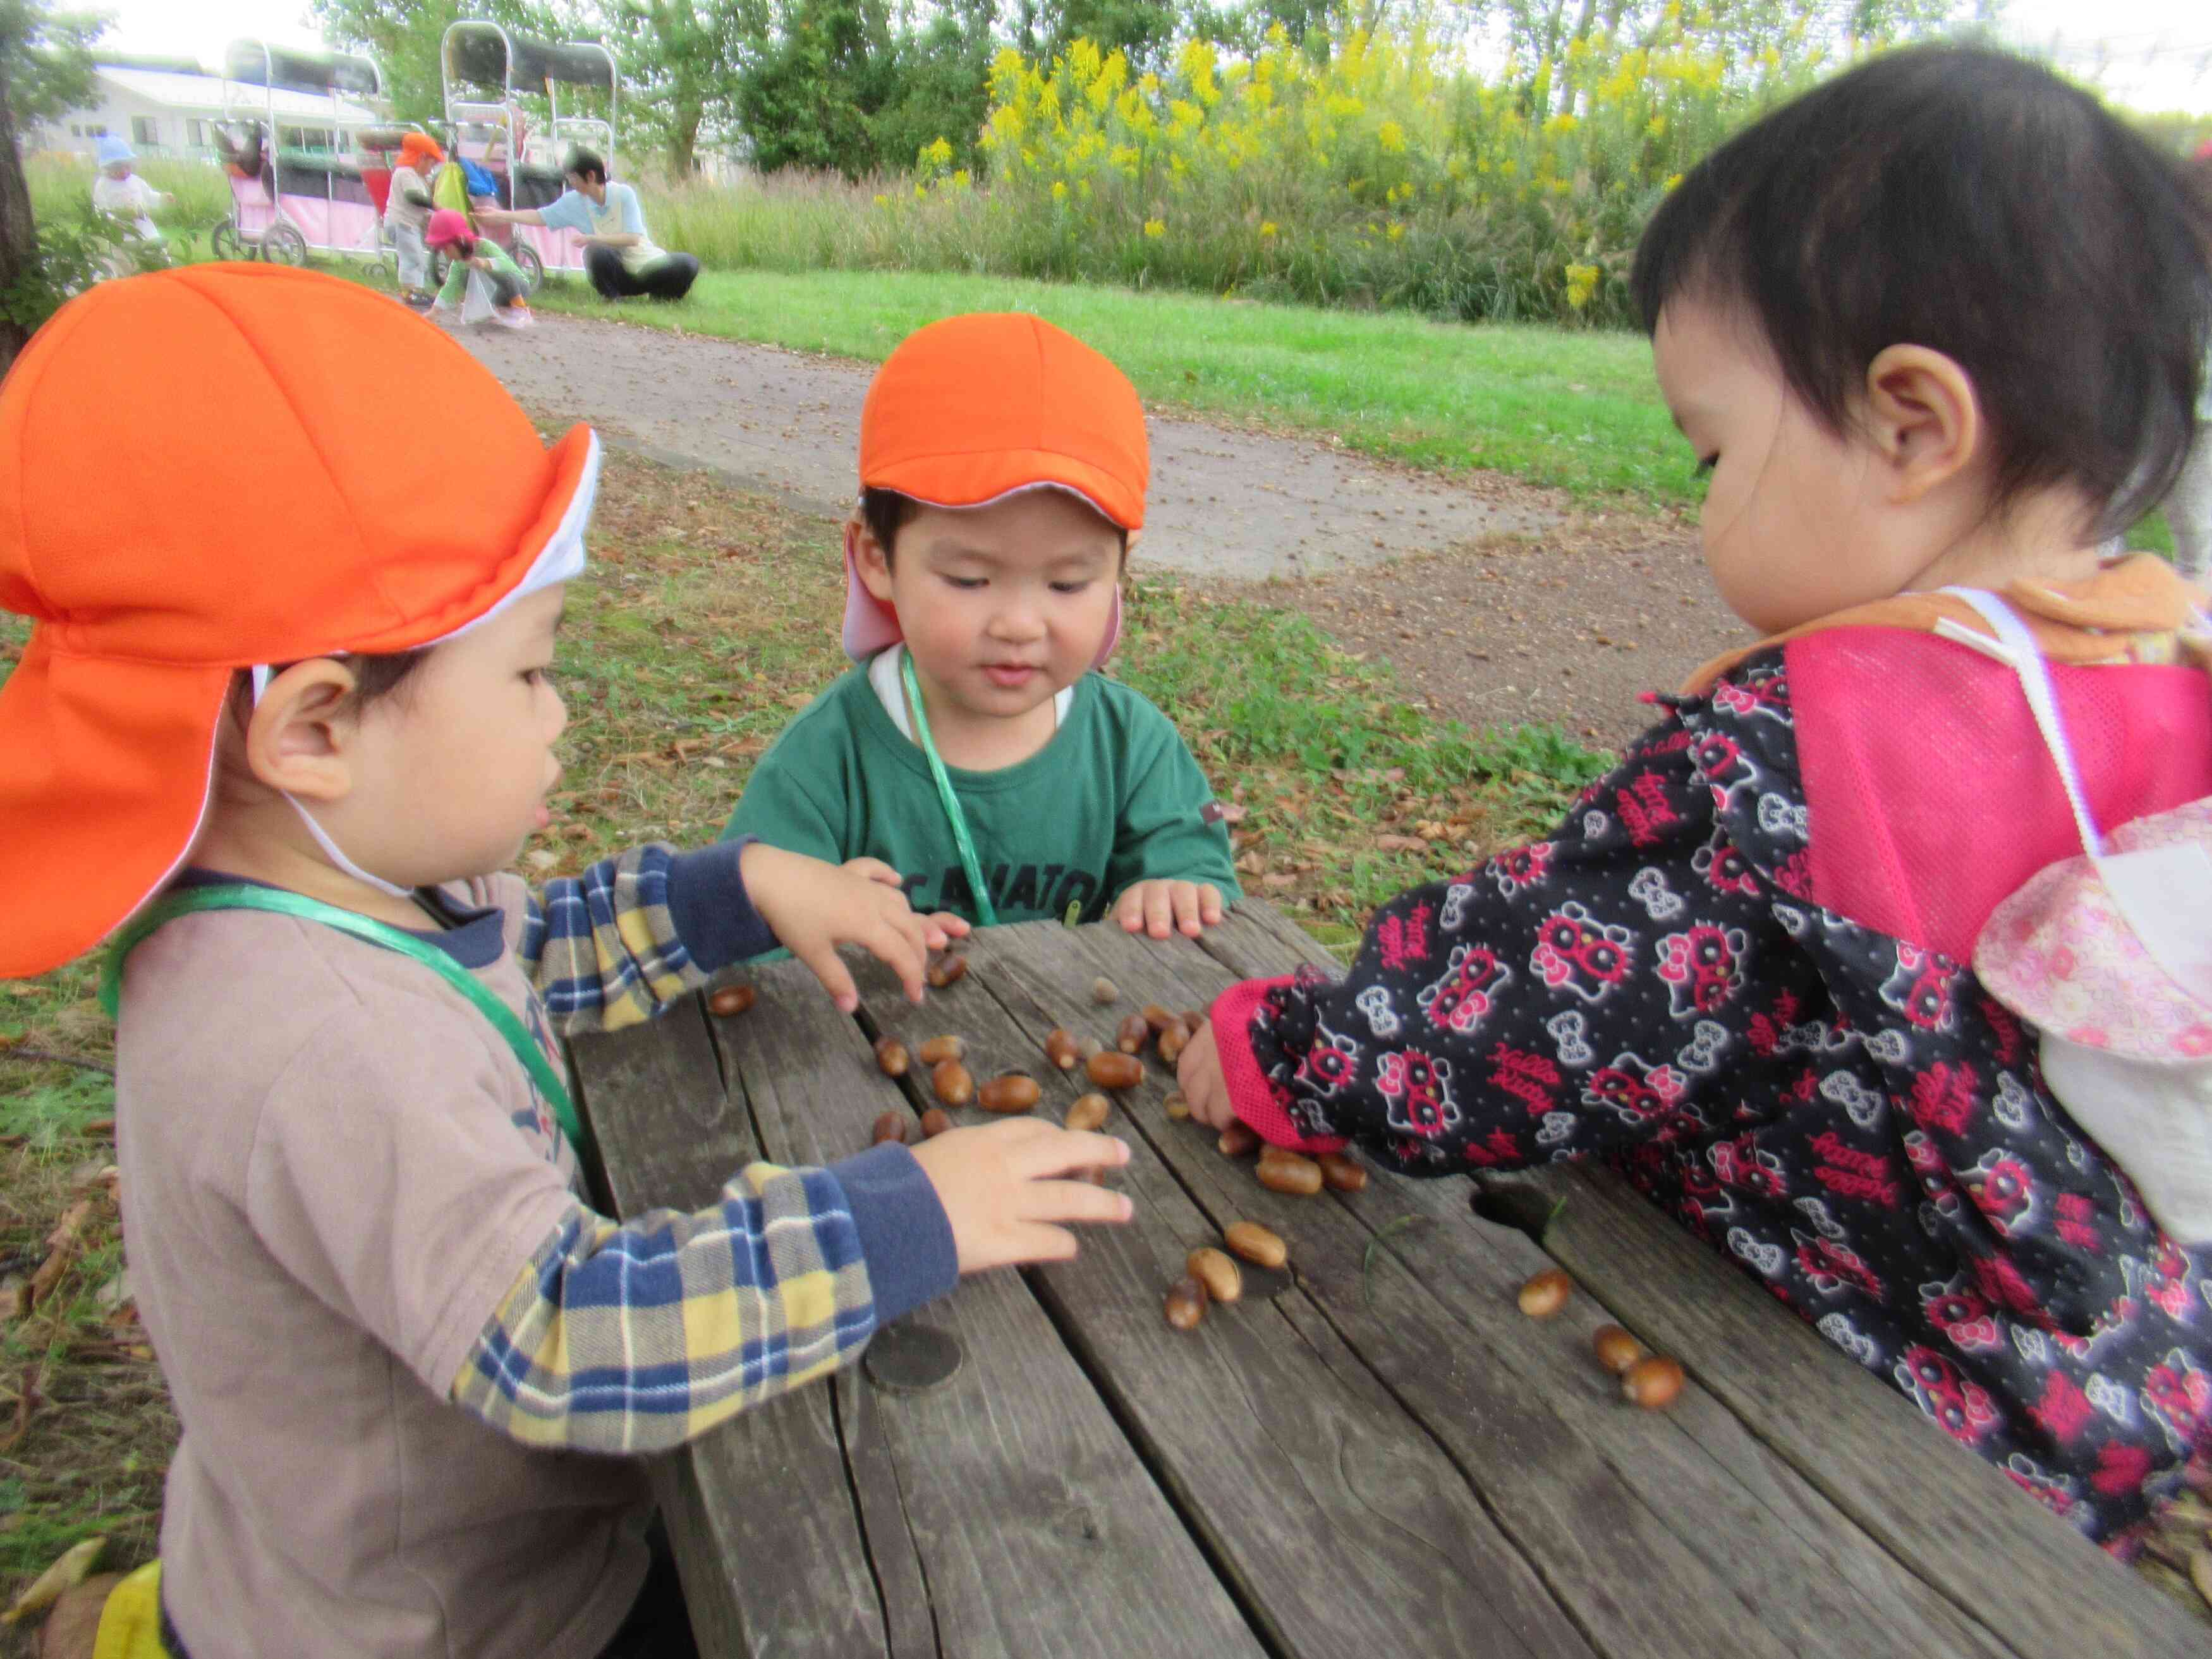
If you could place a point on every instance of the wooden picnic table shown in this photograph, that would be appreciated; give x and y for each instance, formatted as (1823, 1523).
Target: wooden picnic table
(1386, 1459)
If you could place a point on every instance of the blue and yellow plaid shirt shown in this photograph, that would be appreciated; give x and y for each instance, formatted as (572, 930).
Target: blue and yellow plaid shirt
(637, 1337)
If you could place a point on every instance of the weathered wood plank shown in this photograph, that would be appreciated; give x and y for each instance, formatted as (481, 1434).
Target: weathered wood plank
(1342, 1525)
(788, 1577)
(1035, 1527)
(1953, 1521)
(1724, 1539)
(1930, 1501)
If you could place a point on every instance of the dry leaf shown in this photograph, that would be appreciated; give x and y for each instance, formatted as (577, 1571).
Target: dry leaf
(46, 1588)
(62, 1246)
(1401, 843)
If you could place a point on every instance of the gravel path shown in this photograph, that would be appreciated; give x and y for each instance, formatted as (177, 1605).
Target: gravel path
(1496, 603)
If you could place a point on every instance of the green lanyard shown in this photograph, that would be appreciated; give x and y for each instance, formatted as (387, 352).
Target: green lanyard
(984, 912)
(503, 1018)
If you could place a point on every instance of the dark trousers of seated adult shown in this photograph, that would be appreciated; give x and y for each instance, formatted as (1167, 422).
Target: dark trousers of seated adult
(668, 278)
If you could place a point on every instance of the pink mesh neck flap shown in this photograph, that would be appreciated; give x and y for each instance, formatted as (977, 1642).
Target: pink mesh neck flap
(1931, 797)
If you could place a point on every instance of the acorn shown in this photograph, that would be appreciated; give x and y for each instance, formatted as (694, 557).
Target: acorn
(1615, 1348)
(1545, 1294)
(1652, 1382)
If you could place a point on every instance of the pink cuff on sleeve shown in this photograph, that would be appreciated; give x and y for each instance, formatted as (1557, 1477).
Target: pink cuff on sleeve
(1250, 1091)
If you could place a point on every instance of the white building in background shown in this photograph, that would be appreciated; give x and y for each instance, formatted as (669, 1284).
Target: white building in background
(164, 112)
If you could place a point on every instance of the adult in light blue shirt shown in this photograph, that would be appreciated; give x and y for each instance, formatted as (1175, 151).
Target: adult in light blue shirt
(619, 257)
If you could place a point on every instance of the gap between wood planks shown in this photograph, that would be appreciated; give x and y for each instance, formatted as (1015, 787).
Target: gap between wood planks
(1147, 1453)
(1100, 1379)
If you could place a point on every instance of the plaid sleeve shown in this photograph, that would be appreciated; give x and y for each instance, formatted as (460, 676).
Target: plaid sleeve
(634, 1338)
(602, 947)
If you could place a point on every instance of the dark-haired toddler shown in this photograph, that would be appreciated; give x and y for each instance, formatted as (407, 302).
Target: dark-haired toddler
(1937, 326)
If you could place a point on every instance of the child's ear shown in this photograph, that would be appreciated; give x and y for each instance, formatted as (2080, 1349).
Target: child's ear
(866, 555)
(1924, 417)
(299, 737)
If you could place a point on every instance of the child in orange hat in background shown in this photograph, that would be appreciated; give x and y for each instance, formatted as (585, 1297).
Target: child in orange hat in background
(297, 752)
(975, 747)
(408, 213)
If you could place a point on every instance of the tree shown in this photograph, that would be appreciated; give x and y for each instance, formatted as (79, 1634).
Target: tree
(681, 61)
(806, 99)
(1143, 31)
(46, 70)
(1799, 34)
(405, 37)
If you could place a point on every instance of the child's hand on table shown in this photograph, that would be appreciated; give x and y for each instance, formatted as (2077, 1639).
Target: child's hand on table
(1198, 1073)
(1006, 1187)
(1160, 907)
(813, 907)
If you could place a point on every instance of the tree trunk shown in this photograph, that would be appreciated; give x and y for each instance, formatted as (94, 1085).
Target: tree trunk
(683, 138)
(19, 233)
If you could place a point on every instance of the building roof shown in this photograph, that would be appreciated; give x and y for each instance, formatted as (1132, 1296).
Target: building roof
(205, 93)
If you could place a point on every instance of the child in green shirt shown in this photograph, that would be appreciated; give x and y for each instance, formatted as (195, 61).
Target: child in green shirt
(973, 748)
(472, 255)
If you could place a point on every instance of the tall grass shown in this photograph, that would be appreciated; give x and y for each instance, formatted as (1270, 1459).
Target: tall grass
(61, 189)
(1364, 171)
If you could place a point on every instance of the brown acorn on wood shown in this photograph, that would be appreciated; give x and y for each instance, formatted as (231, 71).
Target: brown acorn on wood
(1343, 1175)
(1238, 1140)
(731, 999)
(1545, 1294)
(1186, 1304)
(1088, 1112)
(1014, 1092)
(1653, 1381)
(1285, 1172)
(1261, 1246)
(891, 1056)
(1109, 1070)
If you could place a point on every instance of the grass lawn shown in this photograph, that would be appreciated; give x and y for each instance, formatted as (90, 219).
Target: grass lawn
(709, 618)
(1575, 410)
(1572, 408)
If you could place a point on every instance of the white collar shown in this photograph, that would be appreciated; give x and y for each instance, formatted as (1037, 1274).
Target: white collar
(884, 675)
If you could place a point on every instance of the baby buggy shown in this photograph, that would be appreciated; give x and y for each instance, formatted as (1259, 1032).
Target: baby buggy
(304, 150)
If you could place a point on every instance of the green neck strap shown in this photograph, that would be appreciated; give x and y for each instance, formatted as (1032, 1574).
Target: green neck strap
(239, 898)
(984, 912)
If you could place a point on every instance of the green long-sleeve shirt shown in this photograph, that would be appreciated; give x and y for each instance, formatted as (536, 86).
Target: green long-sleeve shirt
(1115, 799)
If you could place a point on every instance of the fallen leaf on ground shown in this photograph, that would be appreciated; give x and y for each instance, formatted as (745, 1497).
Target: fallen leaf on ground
(46, 1588)
(62, 1246)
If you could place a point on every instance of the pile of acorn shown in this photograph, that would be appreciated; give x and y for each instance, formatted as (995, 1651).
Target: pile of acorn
(1210, 1274)
(1650, 1379)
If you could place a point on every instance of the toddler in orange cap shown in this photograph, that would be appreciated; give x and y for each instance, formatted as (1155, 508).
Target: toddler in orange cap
(289, 753)
(974, 747)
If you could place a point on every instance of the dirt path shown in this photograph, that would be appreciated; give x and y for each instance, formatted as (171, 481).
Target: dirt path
(1498, 604)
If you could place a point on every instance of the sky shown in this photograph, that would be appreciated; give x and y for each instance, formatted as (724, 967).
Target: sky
(2151, 54)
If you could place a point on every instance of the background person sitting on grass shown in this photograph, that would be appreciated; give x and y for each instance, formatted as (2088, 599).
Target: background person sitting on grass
(619, 256)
